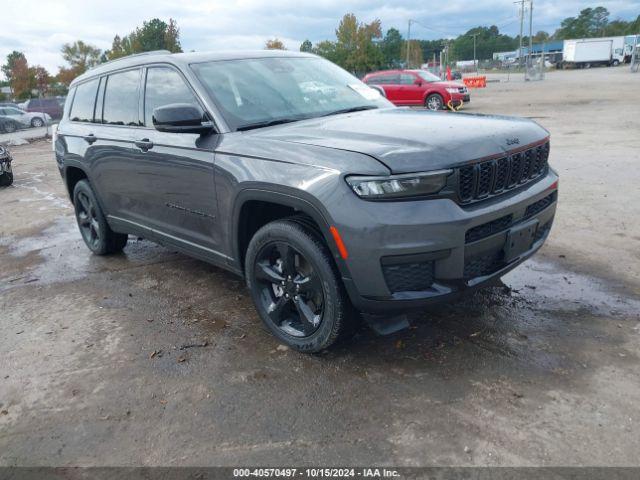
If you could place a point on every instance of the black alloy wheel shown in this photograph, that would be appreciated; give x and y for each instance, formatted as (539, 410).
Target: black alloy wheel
(88, 220)
(290, 290)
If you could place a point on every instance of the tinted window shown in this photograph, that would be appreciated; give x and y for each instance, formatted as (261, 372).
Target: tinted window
(121, 99)
(386, 79)
(84, 101)
(406, 79)
(165, 86)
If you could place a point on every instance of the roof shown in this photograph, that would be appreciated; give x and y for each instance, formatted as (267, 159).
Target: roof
(183, 59)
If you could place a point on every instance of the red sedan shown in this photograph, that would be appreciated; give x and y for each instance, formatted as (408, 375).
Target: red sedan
(418, 87)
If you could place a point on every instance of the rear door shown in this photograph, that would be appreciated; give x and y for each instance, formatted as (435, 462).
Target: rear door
(176, 170)
(390, 81)
(113, 156)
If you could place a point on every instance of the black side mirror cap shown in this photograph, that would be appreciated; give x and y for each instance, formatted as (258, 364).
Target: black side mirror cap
(182, 118)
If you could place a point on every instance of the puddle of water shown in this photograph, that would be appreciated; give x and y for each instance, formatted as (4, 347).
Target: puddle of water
(562, 289)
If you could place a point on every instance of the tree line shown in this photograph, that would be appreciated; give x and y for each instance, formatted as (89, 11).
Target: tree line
(358, 47)
(80, 56)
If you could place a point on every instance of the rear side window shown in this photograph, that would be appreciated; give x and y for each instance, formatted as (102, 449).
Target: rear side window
(121, 99)
(84, 102)
(385, 79)
(164, 87)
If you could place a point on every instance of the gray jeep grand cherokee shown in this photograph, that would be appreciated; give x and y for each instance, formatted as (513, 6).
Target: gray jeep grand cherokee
(286, 169)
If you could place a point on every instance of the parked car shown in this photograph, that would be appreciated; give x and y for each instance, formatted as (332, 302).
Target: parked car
(418, 87)
(9, 125)
(50, 106)
(6, 174)
(327, 205)
(27, 119)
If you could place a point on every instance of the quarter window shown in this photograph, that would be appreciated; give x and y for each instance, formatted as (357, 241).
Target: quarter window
(164, 87)
(84, 102)
(121, 99)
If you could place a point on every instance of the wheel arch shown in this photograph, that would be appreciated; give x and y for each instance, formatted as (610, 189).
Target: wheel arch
(72, 175)
(437, 92)
(278, 204)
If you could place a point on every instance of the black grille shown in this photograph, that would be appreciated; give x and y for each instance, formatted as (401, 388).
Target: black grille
(466, 183)
(502, 174)
(488, 229)
(485, 264)
(408, 277)
(492, 177)
(484, 179)
(540, 205)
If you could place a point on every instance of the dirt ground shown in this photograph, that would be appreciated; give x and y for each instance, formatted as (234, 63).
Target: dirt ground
(153, 358)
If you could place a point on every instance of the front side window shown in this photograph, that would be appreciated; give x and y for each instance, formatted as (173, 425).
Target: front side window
(428, 76)
(164, 87)
(407, 79)
(84, 102)
(121, 99)
(260, 91)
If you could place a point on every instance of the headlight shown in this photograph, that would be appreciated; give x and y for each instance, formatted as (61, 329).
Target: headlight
(452, 90)
(399, 186)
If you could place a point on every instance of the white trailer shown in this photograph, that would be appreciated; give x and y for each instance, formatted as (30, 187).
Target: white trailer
(587, 52)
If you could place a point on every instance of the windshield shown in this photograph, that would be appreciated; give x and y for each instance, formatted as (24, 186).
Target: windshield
(428, 76)
(258, 92)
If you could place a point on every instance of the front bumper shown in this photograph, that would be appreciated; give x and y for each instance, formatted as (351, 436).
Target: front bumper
(397, 246)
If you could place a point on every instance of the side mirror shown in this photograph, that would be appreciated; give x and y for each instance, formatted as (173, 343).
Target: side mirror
(418, 82)
(181, 118)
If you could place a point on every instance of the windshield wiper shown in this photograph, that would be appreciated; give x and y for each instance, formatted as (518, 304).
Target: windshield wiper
(349, 110)
(268, 123)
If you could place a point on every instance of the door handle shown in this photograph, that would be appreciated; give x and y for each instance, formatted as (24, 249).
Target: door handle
(90, 138)
(144, 144)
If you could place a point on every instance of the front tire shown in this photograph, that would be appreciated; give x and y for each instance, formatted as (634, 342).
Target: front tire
(296, 288)
(37, 122)
(95, 230)
(434, 102)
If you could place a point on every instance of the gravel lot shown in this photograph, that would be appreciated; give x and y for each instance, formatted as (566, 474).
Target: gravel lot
(153, 358)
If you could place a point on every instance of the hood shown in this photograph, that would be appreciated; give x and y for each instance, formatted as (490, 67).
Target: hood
(407, 140)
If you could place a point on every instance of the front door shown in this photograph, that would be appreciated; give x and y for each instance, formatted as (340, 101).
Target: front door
(176, 169)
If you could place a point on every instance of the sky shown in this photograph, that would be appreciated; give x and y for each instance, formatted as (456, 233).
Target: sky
(39, 28)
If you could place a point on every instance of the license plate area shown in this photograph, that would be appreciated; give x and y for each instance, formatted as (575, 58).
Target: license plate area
(519, 240)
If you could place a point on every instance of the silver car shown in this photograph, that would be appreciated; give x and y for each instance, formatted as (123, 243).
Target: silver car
(28, 119)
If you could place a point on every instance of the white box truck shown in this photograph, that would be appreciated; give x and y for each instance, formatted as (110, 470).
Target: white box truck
(587, 52)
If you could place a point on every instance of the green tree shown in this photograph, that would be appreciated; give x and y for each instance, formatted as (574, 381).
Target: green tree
(591, 22)
(415, 53)
(12, 59)
(154, 34)
(80, 56)
(392, 48)
(306, 46)
(327, 49)
(541, 37)
(355, 49)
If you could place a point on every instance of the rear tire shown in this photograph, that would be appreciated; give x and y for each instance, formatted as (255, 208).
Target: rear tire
(434, 102)
(6, 179)
(9, 127)
(296, 287)
(95, 230)
(37, 122)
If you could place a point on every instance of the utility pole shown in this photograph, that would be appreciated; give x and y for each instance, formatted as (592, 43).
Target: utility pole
(521, 2)
(474, 35)
(531, 33)
(409, 42)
